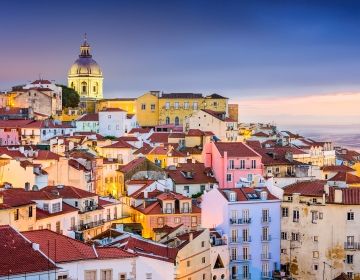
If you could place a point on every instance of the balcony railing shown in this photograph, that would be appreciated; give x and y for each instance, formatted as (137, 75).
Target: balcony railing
(266, 275)
(352, 245)
(86, 226)
(241, 276)
(218, 242)
(265, 219)
(246, 239)
(242, 258)
(240, 221)
(266, 238)
(266, 256)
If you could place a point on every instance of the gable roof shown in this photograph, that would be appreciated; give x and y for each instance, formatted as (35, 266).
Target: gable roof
(348, 178)
(61, 248)
(17, 255)
(337, 168)
(69, 191)
(159, 137)
(235, 149)
(198, 171)
(120, 144)
(306, 188)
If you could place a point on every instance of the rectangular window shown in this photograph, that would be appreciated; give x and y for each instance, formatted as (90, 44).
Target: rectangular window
(30, 211)
(16, 214)
(242, 164)
(193, 221)
(265, 215)
(152, 107)
(56, 207)
(176, 105)
(167, 105)
(316, 238)
(58, 227)
(203, 260)
(253, 164)
(349, 259)
(350, 216)
(186, 104)
(122, 276)
(284, 235)
(295, 236)
(186, 189)
(46, 207)
(90, 274)
(109, 116)
(234, 235)
(228, 177)
(195, 105)
(233, 253)
(105, 274)
(295, 216)
(315, 254)
(314, 217)
(246, 272)
(231, 164)
(285, 211)
(148, 276)
(143, 106)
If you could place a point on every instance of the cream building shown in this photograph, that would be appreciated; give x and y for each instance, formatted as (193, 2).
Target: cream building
(85, 75)
(319, 231)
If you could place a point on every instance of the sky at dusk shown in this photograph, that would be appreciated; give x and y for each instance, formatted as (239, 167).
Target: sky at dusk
(292, 62)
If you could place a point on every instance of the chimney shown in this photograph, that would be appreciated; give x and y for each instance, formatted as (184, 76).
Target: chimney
(27, 186)
(36, 246)
(191, 236)
(338, 196)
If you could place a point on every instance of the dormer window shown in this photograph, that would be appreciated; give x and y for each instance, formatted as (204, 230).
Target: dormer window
(232, 196)
(56, 207)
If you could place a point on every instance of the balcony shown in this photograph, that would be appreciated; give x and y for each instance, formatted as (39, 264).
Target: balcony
(86, 226)
(240, 221)
(265, 238)
(242, 258)
(241, 276)
(217, 242)
(265, 257)
(185, 210)
(265, 219)
(352, 245)
(169, 211)
(266, 275)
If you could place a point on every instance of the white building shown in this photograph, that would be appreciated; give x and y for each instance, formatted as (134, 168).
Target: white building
(320, 225)
(219, 123)
(88, 123)
(251, 220)
(112, 122)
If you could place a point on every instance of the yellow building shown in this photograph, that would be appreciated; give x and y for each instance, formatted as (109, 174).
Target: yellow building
(155, 108)
(127, 104)
(85, 75)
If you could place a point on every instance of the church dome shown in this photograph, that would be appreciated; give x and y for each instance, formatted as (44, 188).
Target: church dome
(85, 65)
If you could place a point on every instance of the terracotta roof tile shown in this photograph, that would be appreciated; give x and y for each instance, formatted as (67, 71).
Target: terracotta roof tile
(89, 118)
(17, 255)
(235, 149)
(306, 188)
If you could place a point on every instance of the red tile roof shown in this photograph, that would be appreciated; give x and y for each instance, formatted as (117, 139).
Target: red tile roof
(140, 130)
(17, 255)
(112, 110)
(260, 134)
(145, 149)
(348, 178)
(198, 132)
(11, 153)
(350, 196)
(48, 124)
(337, 168)
(235, 149)
(149, 249)
(176, 135)
(43, 82)
(61, 248)
(121, 144)
(200, 175)
(159, 137)
(89, 118)
(306, 188)
(128, 138)
(132, 164)
(66, 208)
(247, 193)
(14, 123)
(46, 155)
(218, 115)
(69, 191)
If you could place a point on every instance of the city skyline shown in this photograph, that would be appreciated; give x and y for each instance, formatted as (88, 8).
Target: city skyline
(291, 53)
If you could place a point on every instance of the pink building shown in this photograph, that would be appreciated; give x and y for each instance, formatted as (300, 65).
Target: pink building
(232, 163)
(10, 131)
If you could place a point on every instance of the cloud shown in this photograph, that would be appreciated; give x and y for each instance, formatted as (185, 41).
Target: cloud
(326, 109)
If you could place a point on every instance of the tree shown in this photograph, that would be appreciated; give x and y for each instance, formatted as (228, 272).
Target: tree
(70, 98)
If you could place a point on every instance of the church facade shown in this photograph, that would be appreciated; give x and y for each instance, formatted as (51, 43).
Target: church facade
(85, 75)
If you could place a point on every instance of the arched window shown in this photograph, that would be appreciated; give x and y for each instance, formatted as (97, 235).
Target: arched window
(167, 121)
(177, 122)
(95, 87)
(72, 85)
(84, 87)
